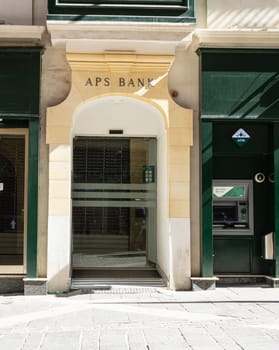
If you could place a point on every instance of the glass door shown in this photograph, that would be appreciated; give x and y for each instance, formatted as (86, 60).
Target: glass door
(114, 202)
(13, 177)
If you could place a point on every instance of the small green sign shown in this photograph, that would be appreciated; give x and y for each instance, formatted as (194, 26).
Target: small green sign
(148, 174)
(241, 137)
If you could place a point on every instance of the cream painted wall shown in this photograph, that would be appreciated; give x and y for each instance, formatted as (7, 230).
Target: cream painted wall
(201, 13)
(184, 79)
(139, 111)
(23, 12)
(59, 219)
(40, 10)
(16, 12)
(243, 14)
(55, 74)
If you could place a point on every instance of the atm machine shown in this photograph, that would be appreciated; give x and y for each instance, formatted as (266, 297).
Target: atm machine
(232, 225)
(232, 207)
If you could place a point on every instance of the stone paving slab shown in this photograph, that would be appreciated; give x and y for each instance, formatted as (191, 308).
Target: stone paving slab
(227, 318)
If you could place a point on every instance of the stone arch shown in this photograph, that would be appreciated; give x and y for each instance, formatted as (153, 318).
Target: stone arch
(137, 117)
(134, 115)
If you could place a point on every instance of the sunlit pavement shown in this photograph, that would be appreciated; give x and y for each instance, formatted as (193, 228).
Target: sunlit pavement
(143, 318)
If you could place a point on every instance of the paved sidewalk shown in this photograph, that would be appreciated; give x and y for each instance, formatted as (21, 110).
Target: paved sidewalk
(143, 318)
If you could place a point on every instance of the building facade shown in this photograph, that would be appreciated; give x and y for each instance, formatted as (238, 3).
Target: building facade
(156, 143)
(119, 148)
(227, 74)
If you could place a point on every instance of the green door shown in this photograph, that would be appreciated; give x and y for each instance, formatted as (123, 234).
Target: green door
(244, 151)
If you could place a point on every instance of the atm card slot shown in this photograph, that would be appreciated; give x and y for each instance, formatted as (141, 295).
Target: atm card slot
(240, 225)
(230, 225)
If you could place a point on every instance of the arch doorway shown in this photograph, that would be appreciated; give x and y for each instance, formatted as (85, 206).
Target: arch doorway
(115, 184)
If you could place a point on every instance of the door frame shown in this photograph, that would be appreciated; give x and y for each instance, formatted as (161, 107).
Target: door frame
(151, 238)
(12, 269)
(276, 197)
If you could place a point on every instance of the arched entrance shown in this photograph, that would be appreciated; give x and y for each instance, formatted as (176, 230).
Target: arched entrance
(117, 167)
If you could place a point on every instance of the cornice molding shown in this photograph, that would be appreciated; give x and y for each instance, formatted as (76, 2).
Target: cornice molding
(23, 35)
(242, 38)
(118, 31)
(119, 62)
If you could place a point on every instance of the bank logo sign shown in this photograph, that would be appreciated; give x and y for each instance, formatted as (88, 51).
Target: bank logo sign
(237, 191)
(241, 137)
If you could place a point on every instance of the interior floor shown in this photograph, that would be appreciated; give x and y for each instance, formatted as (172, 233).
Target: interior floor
(108, 278)
(120, 260)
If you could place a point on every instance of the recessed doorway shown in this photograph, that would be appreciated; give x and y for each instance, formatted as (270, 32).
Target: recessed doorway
(114, 195)
(13, 183)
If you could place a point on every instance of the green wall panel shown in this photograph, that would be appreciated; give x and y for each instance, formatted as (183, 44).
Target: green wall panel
(240, 84)
(233, 162)
(238, 87)
(276, 197)
(232, 255)
(207, 240)
(32, 214)
(20, 82)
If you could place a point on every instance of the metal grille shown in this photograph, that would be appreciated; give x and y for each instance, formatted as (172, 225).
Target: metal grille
(12, 170)
(100, 161)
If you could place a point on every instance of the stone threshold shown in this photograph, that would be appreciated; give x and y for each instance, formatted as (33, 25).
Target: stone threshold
(225, 280)
(35, 286)
(204, 283)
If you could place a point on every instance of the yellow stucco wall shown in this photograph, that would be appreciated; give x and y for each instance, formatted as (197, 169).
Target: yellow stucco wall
(140, 76)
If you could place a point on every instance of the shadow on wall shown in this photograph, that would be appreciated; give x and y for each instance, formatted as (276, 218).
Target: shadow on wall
(9, 285)
(59, 282)
(243, 14)
(263, 101)
(56, 75)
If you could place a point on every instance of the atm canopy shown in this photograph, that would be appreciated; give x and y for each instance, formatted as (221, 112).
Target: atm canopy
(239, 83)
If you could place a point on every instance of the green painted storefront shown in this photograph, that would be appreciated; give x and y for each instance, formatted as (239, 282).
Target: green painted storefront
(239, 96)
(20, 69)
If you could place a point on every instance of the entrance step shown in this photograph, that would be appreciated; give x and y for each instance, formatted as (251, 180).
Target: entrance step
(109, 279)
(11, 284)
(241, 281)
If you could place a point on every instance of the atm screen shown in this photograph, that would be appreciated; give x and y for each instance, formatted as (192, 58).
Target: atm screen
(232, 207)
(224, 214)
